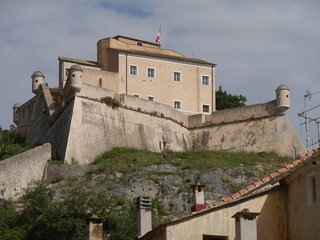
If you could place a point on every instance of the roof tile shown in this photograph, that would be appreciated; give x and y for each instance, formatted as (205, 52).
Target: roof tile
(274, 174)
(235, 195)
(282, 170)
(243, 191)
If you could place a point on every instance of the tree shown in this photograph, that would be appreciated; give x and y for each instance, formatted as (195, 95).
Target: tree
(225, 100)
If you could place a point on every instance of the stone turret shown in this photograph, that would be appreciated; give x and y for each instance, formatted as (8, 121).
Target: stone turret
(75, 78)
(16, 113)
(282, 98)
(37, 79)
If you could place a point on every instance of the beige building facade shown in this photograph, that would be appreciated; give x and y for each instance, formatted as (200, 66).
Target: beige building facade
(283, 205)
(143, 69)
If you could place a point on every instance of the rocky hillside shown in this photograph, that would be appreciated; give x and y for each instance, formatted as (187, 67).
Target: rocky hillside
(129, 173)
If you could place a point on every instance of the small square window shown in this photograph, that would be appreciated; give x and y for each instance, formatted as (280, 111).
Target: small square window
(151, 98)
(151, 72)
(177, 76)
(205, 80)
(205, 108)
(177, 104)
(133, 70)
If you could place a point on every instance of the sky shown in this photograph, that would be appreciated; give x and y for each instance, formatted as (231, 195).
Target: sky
(257, 45)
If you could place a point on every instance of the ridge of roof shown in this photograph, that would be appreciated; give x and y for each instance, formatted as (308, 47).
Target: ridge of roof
(80, 61)
(160, 55)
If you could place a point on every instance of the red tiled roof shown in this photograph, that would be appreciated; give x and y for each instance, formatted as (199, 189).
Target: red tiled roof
(272, 178)
(277, 175)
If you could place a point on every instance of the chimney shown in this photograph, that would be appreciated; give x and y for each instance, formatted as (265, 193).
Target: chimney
(95, 228)
(246, 225)
(198, 198)
(144, 217)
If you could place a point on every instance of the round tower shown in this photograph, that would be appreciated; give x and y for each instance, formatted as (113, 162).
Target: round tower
(75, 75)
(37, 79)
(16, 113)
(282, 98)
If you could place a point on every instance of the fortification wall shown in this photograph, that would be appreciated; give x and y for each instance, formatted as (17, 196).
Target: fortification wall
(235, 114)
(18, 172)
(269, 134)
(243, 113)
(96, 128)
(151, 106)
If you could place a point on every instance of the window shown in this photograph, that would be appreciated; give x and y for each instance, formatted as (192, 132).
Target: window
(133, 70)
(136, 95)
(311, 189)
(208, 237)
(177, 104)
(151, 72)
(177, 76)
(205, 80)
(139, 43)
(205, 108)
(151, 98)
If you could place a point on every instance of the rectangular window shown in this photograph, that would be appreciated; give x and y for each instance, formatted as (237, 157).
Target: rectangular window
(205, 80)
(177, 76)
(205, 108)
(133, 70)
(151, 98)
(151, 72)
(136, 95)
(311, 189)
(209, 237)
(177, 104)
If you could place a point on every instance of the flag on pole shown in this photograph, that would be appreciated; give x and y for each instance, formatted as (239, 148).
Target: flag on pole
(158, 36)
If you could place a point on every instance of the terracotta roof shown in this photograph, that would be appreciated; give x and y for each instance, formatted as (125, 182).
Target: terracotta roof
(250, 190)
(272, 178)
(79, 61)
(167, 56)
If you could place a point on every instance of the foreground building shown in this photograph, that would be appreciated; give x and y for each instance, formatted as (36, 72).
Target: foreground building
(283, 205)
(136, 95)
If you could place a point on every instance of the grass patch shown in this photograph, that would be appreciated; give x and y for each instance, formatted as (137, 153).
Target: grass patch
(127, 160)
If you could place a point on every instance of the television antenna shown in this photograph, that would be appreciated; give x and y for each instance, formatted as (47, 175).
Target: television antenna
(308, 120)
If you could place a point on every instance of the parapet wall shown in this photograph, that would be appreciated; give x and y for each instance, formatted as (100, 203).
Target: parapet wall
(150, 106)
(17, 172)
(243, 113)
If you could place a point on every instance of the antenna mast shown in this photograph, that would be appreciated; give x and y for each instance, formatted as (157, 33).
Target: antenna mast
(307, 120)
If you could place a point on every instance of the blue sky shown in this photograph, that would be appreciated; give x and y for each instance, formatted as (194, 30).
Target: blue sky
(257, 45)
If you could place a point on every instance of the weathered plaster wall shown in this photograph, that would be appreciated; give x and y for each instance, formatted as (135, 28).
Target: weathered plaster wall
(19, 171)
(96, 128)
(304, 217)
(215, 223)
(257, 135)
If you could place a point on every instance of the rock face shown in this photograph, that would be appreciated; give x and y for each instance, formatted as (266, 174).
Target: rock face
(171, 184)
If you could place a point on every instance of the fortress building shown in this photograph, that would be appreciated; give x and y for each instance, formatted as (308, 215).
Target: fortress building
(138, 94)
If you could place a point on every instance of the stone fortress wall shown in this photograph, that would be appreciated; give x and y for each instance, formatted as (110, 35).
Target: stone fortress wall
(87, 127)
(17, 172)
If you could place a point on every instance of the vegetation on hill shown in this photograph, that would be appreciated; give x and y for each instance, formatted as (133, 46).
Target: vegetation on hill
(60, 209)
(11, 143)
(225, 100)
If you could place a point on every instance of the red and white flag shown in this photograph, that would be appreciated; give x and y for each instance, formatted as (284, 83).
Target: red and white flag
(158, 36)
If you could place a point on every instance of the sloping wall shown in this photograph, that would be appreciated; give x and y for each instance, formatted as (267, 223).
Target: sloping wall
(267, 134)
(19, 171)
(96, 128)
